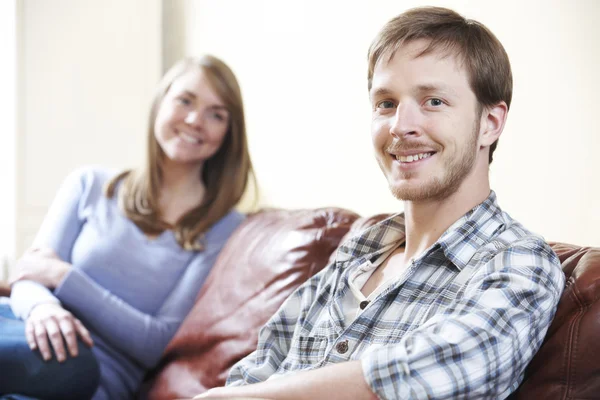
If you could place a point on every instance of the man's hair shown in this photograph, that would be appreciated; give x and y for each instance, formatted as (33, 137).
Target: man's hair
(484, 57)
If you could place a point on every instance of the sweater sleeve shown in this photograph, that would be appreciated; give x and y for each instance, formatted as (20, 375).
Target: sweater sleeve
(140, 335)
(59, 231)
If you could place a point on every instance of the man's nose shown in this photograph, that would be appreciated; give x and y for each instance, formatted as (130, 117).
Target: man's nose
(406, 121)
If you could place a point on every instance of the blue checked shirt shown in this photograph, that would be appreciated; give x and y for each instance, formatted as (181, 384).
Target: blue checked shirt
(463, 322)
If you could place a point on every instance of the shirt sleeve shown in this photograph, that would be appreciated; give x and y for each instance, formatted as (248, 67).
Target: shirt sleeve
(275, 336)
(479, 347)
(59, 230)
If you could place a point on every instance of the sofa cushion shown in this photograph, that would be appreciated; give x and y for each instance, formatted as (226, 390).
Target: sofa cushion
(266, 258)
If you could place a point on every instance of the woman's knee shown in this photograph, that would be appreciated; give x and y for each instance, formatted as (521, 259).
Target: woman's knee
(75, 378)
(25, 372)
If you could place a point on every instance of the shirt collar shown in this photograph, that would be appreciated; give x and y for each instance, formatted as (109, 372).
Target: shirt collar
(458, 243)
(377, 238)
(472, 231)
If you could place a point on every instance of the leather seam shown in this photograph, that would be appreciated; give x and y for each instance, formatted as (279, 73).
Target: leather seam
(573, 342)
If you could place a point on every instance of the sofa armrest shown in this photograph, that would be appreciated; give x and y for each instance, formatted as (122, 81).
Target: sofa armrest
(4, 289)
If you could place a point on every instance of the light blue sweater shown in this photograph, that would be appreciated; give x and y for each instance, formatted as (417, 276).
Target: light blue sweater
(131, 292)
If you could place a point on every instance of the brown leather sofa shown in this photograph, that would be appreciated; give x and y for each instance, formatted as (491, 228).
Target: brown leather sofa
(274, 251)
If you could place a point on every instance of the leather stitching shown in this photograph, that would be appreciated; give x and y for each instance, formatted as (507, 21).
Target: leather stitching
(573, 342)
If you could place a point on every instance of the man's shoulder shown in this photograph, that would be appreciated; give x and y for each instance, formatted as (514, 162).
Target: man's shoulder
(517, 248)
(513, 235)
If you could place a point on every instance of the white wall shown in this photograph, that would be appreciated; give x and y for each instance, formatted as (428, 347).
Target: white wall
(8, 124)
(302, 66)
(88, 69)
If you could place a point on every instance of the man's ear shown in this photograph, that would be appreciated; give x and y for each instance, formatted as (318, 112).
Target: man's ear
(492, 123)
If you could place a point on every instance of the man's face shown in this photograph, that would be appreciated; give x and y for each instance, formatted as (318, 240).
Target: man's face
(425, 125)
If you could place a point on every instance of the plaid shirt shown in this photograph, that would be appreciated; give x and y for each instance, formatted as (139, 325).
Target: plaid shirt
(463, 322)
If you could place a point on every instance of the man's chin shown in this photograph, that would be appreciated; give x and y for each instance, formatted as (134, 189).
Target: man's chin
(418, 193)
(403, 193)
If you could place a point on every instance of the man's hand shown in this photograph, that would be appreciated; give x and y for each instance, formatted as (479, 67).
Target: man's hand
(49, 323)
(40, 265)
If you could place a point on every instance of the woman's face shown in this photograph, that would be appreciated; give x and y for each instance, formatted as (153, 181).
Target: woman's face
(191, 121)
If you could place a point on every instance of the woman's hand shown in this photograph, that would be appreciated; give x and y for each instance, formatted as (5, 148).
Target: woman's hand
(41, 265)
(48, 324)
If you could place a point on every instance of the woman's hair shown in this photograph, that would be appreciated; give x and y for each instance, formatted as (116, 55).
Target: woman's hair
(225, 174)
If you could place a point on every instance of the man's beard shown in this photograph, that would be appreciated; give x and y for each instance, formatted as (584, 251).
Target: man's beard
(455, 171)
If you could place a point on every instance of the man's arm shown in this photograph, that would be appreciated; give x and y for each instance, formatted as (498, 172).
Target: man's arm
(340, 381)
(478, 348)
(480, 345)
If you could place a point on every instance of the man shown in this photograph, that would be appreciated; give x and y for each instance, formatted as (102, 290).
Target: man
(450, 299)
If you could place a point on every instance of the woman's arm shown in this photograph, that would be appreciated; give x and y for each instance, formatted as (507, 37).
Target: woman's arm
(58, 232)
(41, 268)
(141, 334)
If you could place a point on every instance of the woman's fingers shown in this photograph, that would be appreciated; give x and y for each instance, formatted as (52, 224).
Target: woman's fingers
(49, 326)
(68, 330)
(30, 334)
(56, 339)
(41, 339)
(84, 334)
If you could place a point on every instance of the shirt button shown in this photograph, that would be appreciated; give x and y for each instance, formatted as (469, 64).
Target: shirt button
(363, 304)
(342, 347)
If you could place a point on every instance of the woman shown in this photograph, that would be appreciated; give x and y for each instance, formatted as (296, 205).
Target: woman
(125, 255)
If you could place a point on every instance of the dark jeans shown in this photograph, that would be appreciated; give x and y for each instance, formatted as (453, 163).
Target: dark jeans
(24, 374)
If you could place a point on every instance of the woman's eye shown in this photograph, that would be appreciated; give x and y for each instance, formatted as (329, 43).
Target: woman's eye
(218, 116)
(435, 102)
(185, 101)
(385, 104)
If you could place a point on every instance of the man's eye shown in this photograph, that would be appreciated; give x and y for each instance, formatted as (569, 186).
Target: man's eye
(435, 102)
(385, 104)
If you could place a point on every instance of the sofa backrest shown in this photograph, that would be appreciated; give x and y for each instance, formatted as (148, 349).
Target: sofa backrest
(262, 263)
(567, 365)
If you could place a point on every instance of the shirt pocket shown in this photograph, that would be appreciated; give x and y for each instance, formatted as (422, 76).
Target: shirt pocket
(305, 353)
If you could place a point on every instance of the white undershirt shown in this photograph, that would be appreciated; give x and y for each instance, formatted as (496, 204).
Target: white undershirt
(354, 297)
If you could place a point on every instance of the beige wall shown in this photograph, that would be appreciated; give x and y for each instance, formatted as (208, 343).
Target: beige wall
(302, 67)
(88, 68)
